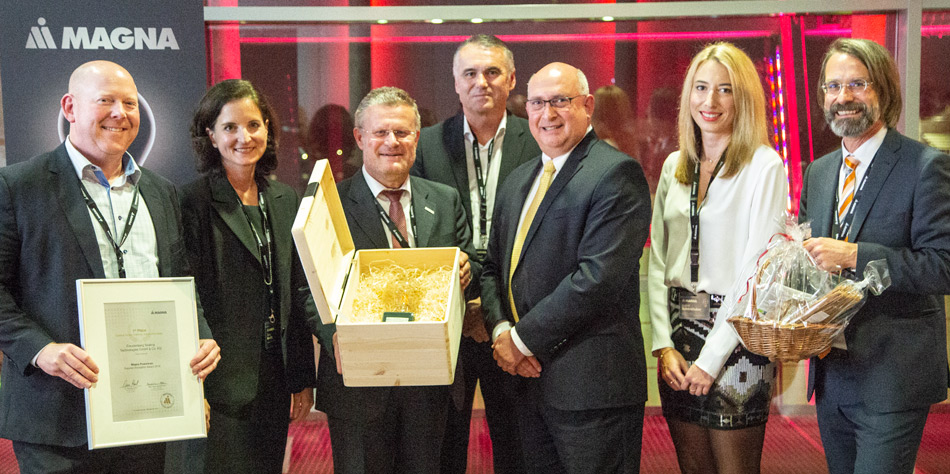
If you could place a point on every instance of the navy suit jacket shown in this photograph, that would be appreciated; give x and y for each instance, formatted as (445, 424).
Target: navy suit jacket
(223, 253)
(440, 156)
(47, 242)
(576, 287)
(440, 222)
(897, 341)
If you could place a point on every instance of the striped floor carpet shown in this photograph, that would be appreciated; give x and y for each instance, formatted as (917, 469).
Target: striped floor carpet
(792, 446)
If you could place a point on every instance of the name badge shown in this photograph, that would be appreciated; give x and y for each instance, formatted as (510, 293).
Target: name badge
(694, 306)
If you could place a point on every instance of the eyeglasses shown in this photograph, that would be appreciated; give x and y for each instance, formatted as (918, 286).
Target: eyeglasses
(557, 102)
(384, 134)
(855, 87)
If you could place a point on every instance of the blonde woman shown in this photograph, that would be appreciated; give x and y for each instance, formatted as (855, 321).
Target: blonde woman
(720, 198)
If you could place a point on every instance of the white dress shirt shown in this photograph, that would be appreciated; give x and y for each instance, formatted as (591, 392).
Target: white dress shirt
(376, 187)
(491, 166)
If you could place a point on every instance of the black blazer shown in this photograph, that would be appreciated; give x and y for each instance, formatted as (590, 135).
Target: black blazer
(223, 254)
(47, 242)
(440, 222)
(576, 287)
(897, 341)
(440, 156)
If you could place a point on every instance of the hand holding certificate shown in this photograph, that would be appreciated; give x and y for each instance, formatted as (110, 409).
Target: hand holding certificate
(143, 335)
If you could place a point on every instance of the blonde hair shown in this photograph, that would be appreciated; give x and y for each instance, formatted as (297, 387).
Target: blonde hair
(749, 127)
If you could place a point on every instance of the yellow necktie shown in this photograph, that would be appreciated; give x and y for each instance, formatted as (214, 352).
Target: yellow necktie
(525, 225)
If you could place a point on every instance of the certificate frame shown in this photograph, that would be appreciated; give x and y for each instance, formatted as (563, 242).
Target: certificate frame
(146, 392)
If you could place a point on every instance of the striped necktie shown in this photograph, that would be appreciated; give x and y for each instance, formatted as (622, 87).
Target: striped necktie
(847, 191)
(525, 225)
(396, 214)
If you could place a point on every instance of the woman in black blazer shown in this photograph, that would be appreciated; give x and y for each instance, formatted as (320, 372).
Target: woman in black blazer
(250, 282)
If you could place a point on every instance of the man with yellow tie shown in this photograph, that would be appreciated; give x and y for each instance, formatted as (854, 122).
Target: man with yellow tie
(560, 288)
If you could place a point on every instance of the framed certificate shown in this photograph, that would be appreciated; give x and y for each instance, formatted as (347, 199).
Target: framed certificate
(142, 333)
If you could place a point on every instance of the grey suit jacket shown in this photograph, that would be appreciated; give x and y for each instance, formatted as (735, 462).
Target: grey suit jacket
(224, 256)
(440, 222)
(440, 156)
(47, 242)
(576, 286)
(897, 341)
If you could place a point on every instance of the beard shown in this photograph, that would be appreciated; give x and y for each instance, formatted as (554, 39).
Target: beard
(853, 126)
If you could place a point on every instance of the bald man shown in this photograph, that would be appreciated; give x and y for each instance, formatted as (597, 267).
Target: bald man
(59, 214)
(560, 287)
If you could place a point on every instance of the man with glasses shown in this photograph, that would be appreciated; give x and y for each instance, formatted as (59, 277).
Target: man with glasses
(881, 196)
(474, 151)
(391, 429)
(561, 286)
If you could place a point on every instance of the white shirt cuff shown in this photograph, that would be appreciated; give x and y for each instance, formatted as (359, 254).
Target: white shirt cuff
(520, 344)
(500, 328)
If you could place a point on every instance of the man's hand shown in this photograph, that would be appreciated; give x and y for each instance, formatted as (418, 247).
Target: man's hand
(301, 403)
(465, 270)
(507, 353)
(697, 381)
(336, 355)
(832, 255)
(207, 358)
(529, 367)
(207, 415)
(473, 325)
(70, 363)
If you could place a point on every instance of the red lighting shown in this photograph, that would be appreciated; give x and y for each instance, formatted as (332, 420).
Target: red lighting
(658, 36)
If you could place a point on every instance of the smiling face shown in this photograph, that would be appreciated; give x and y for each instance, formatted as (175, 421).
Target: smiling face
(102, 108)
(240, 135)
(388, 159)
(557, 131)
(482, 79)
(711, 101)
(851, 114)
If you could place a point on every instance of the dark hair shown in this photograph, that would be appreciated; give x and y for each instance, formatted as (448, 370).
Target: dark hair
(881, 67)
(209, 108)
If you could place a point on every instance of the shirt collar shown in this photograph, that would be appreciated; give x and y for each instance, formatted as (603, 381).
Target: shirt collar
(865, 153)
(467, 130)
(559, 160)
(376, 187)
(85, 170)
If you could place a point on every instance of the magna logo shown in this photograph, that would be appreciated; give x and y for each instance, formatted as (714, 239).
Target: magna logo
(121, 38)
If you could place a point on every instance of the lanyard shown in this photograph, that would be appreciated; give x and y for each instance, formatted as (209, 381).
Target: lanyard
(97, 214)
(694, 216)
(384, 216)
(844, 226)
(481, 179)
(265, 250)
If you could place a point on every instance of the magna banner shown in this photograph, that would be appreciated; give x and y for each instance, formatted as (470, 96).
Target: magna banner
(161, 43)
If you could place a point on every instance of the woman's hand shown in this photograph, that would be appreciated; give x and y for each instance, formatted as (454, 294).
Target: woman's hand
(300, 404)
(698, 382)
(672, 367)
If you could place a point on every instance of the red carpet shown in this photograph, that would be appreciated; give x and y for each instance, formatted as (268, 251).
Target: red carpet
(792, 446)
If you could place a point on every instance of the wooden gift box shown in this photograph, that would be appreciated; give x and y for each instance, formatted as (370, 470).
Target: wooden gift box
(377, 354)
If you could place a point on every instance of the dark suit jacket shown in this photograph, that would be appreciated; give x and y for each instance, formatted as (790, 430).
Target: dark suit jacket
(440, 156)
(223, 254)
(576, 287)
(440, 222)
(897, 342)
(47, 242)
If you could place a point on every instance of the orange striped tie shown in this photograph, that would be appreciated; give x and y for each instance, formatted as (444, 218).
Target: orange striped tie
(847, 191)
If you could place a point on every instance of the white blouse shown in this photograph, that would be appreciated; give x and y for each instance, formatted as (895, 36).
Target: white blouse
(737, 218)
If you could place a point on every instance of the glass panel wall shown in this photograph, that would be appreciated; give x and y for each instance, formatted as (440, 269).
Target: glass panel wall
(934, 87)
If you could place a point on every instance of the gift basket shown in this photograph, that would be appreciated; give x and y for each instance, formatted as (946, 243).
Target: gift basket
(786, 307)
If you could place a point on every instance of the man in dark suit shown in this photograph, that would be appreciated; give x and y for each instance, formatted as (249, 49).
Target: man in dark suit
(484, 71)
(874, 389)
(561, 286)
(59, 213)
(391, 429)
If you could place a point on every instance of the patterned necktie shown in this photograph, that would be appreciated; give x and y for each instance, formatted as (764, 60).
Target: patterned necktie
(525, 225)
(396, 214)
(847, 191)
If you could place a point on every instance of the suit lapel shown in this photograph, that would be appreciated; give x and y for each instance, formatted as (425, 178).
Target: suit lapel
(453, 139)
(424, 212)
(571, 167)
(62, 178)
(227, 204)
(881, 166)
(281, 213)
(823, 193)
(512, 148)
(158, 211)
(365, 216)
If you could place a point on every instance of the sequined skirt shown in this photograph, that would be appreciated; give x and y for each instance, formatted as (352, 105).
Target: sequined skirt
(741, 394)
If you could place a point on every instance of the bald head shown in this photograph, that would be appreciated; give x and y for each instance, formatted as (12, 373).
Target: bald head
(102, 108)
(559, 126)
